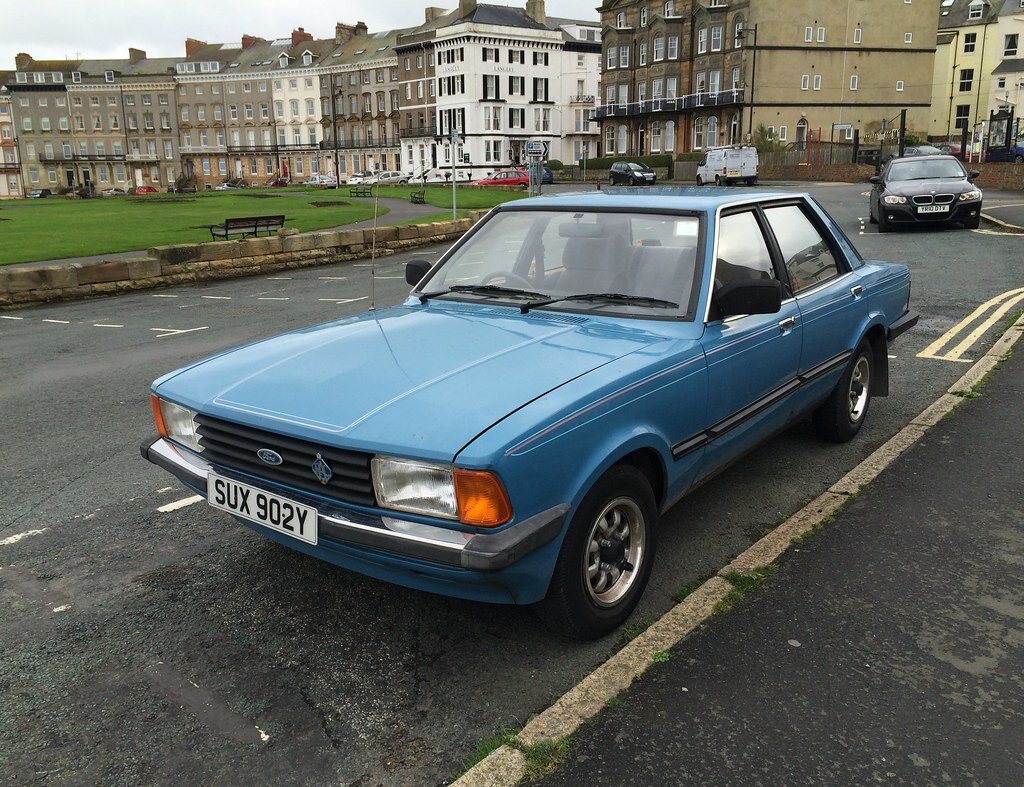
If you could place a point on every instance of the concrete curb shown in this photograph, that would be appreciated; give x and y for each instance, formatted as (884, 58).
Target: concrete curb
(586, 699)
(1004, 224)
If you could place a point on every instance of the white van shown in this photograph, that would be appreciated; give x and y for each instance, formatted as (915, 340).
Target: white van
(727, 165)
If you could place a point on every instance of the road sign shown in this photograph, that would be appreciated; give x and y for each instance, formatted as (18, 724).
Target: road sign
(842, 126)
(537, 148)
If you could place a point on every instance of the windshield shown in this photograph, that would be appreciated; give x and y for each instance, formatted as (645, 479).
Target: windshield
(638, 167)
(648, 261)
(925, 168)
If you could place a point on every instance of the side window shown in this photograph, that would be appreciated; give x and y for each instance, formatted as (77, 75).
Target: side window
(742, 252)
(808, 258)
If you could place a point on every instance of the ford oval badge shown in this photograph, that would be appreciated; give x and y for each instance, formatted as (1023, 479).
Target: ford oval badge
(270, 457)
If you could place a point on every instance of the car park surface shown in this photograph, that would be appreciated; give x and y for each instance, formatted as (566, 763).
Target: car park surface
(349, 678)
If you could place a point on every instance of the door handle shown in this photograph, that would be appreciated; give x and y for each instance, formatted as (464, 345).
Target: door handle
(787, 324)
(857, 291)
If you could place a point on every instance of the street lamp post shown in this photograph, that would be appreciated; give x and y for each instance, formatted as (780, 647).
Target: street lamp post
(753, 76)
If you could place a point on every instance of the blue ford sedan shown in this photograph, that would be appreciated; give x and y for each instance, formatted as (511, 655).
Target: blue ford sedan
(567, 371)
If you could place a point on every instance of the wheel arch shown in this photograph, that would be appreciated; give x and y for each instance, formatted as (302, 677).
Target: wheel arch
(875, 336)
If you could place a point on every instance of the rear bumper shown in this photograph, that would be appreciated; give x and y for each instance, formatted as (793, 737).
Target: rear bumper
(440, 546)
(902, 325)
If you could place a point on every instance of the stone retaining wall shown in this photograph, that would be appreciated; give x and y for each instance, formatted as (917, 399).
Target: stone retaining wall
(22, 285)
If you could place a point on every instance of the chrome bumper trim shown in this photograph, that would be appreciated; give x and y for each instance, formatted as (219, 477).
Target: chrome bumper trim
(475, 551)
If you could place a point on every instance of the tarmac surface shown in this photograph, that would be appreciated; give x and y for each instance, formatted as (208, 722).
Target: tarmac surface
(146, 638)
(889, 648)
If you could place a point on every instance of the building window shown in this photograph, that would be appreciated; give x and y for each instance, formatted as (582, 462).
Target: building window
(716, 38)
(1000, 82)
(623, 57)
(670, 136)
(108, 76)
(609, 139)
(698, 133)
(963, 114)
(817, 81)
(659, 46)
(737, 34)
(899, 85)
(808, 35)
(673, 47)
(970, 42)
(620, 20)
(702, 41)
(1010, 45)
(612, 57)
(643, 17)
(623, 139)
(857, 33)
(805, 82)
(975, 9)
(735, 81)
(670, 8)
(908, 38)
(821, 35)
(854, 79)
(966, 79)
(642, 55)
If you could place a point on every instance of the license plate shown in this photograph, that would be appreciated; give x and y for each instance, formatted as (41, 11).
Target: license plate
(278, 513)
(734, 173)
(933, 209)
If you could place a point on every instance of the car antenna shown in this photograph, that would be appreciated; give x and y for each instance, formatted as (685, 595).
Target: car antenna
(373, 248)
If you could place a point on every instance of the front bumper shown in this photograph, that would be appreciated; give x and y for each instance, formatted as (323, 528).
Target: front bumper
(488, 552)
(908, 214)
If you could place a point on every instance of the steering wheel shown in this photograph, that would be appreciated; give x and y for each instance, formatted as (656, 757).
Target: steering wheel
(509, 277)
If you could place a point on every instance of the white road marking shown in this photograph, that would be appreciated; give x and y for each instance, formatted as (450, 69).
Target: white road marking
(176, 331)
(892, 356)
(343, 300)
(273, 299)
(62, 608)
(263, 736)
(279, 278)
(165, 489)
(388, 277)
(59, 322)
(165, 296)
(185, 501)
(18, 536)
(216, 297)
(996, 232)
(105, 325)
(4, 317)
(322, 278)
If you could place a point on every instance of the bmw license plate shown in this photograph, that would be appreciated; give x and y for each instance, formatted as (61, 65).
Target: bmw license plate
(278, 513)
(933, 209)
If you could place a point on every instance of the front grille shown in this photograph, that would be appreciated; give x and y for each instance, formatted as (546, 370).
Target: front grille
(234, 446)
(937, 199)
(922, 199)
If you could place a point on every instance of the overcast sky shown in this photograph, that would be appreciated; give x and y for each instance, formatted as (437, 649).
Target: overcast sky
(106, 28)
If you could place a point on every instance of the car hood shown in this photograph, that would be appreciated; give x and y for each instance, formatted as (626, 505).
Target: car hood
(908, 188)
(418, 380)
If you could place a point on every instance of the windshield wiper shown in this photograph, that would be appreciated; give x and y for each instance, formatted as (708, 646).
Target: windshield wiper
(613, 297)
(483, 289)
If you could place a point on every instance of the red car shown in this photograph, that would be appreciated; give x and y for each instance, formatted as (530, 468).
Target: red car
(277, 183)
(505, 177)
(144, 190)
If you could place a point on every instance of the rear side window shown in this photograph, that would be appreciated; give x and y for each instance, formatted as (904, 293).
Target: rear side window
(808, 258)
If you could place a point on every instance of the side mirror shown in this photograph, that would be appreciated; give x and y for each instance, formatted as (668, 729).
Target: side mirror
(756, 296)
(973, 174)
(415, 270)
(876, 179)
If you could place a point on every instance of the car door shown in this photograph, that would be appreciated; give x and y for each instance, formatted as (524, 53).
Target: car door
(752, 359)
(830, 298)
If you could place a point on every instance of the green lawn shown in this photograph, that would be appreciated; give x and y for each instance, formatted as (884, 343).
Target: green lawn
(53, 228)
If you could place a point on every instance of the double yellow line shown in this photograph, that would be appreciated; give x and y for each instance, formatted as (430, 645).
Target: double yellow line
(937, 350)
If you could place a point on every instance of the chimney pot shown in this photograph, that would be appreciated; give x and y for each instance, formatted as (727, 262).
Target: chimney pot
(360, 28)
(193, 45)
(299, 35)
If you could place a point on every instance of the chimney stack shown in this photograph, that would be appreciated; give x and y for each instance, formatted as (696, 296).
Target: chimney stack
(248, 40)
(466, 7)
(343, 33)
(135, 55)
(360, 28)
(432, 12)
(193, 45)
(535, 10)
(299, 35)
(22, 61)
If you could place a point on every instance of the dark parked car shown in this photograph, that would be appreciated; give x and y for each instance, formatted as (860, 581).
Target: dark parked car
(1014, 154)
(924, 190)
(629, 173)
(547, 176)
(39, 193)
(181, 188)
(113, 192)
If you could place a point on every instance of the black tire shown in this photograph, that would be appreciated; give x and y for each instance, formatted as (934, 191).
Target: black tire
(718, 180)
(840, 417)
(700, 181)
(570, 608)
(1018, 159)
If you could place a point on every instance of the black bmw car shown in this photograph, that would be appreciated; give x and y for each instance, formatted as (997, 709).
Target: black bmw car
(924, 190)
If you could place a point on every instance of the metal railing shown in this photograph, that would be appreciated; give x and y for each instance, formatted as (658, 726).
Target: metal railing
(676, 104)
(581, 99)
(418, 132)
(350, 144)
(139, 156)
(202, 148)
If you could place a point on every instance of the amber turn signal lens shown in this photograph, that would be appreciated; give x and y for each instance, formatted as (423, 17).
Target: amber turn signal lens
(158, 415)
(481, 498)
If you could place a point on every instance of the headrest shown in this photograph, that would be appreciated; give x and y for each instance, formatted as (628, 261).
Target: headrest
(577, 229)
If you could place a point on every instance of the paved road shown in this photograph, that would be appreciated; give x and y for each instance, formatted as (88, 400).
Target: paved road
(1005, 206)
(140, 645)
(889, 648)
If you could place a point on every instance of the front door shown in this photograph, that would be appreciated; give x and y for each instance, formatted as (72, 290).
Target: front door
(752, 359)
(69, 176)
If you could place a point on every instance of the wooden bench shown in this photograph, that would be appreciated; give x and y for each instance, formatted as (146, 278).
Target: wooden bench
(360, 191)
(247, 227)
(416, 198)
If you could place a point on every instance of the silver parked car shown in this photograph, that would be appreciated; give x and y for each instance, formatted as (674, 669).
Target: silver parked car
(392, 178)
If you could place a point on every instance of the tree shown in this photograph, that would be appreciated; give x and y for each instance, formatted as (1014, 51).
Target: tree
(764, 139)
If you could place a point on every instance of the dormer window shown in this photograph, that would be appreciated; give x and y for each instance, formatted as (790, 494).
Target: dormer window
(307, 58)
(620, 20)
(670, 8)
(108, 75)
(975, 10)
(283, 61)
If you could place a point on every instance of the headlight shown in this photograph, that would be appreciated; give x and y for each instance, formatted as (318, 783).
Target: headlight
(472, 497)
(175, 422)
(967, 196)
(893, 200)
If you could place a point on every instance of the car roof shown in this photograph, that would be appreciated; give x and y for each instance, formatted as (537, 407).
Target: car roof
(933, 157)
(706, 198)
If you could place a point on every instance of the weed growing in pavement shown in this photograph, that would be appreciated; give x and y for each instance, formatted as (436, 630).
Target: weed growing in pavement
(544, 758)
(686, 590)
(660, 657)
(972, 394)
(742, 584)
(503, 737)
(614, 702)
(634, 630)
